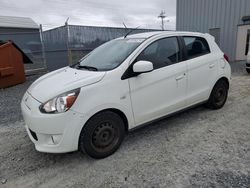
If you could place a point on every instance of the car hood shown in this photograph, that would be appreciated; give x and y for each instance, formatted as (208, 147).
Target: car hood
(60, 81)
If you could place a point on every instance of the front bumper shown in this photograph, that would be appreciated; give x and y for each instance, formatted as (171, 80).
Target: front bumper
(51, 133)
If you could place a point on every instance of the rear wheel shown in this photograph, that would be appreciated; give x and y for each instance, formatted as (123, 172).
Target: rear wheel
(102, 135)
(218, 95)
(248, 70)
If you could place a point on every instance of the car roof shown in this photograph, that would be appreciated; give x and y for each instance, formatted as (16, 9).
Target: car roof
(157, 33)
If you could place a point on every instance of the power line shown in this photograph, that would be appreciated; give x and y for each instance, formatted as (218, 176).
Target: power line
(82, 5)
(95, 5)
(87, 18)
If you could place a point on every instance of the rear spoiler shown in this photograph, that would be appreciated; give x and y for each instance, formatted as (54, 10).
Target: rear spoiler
(210, 36)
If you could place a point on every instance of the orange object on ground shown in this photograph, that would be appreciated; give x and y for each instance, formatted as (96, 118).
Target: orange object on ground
(11, 65)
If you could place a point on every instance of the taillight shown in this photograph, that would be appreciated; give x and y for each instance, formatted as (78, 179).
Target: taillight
(226, 57)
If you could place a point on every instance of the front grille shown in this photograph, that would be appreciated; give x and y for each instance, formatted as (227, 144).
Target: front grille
(33, 135)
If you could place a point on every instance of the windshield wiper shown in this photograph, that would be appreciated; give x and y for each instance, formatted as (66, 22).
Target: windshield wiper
(87, 67)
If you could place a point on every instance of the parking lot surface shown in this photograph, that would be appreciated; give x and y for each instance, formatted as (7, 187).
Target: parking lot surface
(195, 148)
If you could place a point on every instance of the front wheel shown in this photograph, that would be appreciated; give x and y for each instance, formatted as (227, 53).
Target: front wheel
(248, 70)
(218, 95)
(102, 135)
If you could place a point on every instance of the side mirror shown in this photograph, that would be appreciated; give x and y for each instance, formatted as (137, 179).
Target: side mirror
(143, 67)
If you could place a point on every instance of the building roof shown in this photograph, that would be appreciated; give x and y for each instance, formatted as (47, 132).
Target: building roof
(4, 44)
(17, 22)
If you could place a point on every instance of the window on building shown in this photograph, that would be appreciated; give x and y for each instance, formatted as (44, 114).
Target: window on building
(196, 46)
(161, 53)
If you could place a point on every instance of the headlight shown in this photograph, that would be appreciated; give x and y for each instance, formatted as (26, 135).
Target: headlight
(61, 103)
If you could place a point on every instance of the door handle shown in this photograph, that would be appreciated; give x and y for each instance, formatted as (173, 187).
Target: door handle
(211, 65)
(180, 77)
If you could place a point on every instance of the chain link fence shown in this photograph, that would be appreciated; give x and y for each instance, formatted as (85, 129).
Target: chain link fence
(68, 44)
(62, 46)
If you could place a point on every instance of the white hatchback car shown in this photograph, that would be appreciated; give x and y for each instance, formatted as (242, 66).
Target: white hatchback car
(120, 85)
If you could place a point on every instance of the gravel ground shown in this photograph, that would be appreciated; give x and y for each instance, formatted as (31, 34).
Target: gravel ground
(196, 148)
(10, 100)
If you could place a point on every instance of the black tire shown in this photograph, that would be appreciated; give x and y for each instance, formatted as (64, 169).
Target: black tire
(218, 96)
(102, 135)
(248, 70)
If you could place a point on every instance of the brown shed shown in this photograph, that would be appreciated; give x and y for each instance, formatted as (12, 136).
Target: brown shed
(11, 64)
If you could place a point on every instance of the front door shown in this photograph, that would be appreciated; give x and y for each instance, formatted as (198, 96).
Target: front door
(163, 90)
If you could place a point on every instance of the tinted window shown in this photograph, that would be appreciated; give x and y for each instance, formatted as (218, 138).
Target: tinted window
(196, 46)
(161, 53)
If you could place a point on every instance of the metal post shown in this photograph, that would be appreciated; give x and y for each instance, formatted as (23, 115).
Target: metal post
(43, 48)
(67, 42)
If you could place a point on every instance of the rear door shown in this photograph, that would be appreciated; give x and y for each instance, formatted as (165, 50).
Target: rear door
(202, 68)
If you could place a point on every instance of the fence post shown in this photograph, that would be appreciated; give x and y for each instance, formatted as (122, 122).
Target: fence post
(43, 48)
(67, 43)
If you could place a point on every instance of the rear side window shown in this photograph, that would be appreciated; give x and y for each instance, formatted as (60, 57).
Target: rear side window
(196, 46)
(161, 53)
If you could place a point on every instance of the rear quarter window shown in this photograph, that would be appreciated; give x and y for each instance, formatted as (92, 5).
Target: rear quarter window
(196, 46)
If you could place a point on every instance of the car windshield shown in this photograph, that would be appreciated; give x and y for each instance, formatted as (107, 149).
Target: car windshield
(109, 55)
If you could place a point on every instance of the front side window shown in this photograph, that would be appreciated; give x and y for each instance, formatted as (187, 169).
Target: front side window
(196, 46)
(161, 53)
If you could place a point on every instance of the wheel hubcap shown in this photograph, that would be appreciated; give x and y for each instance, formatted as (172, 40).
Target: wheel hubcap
(104, 135)
(220, 95)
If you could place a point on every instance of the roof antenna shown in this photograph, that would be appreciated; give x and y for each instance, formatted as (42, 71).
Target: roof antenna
(126, 29)
(130, 31)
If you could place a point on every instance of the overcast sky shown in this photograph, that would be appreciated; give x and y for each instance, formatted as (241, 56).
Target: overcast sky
(53, 13)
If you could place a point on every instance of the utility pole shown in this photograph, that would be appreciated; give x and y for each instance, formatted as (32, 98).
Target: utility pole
(162, 16)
